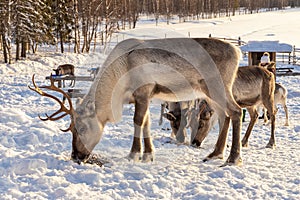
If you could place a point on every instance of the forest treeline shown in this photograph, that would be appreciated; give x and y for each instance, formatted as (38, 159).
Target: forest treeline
(28, 23)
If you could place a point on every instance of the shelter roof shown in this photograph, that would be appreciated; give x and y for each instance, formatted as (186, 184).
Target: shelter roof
(267, 46)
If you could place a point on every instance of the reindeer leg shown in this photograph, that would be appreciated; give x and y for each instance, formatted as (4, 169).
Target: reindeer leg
(181, 133)
(235, 113)
(140, 117)
(271, 143)
(265, 116)
(162, 110)
(148, 151)
(220, 145)
(270, 105)
(253, 115)
(135, 152)
(286, 115)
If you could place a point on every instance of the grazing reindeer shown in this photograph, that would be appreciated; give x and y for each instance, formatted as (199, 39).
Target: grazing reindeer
(180, 119)
(174, 69)
(177, 118)
(253, 86)
(66, 69)
(200, 116)
(280, 97)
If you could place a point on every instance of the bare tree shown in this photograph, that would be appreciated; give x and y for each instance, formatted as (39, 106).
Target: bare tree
(32, 22)
(76, 27)
(89, 13)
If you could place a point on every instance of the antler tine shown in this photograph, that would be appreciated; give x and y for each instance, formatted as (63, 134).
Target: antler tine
(62, 109)
(54, 88)
(52, 118)
(36, 88)
(69, 128)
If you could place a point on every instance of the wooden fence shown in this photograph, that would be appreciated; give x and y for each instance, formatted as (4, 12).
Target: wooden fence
(296, 56)
(237, 42)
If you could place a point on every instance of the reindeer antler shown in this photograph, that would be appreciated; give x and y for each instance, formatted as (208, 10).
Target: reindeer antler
(62, 109)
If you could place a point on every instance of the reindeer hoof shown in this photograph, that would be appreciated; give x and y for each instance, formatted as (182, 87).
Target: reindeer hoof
(135, 156)
(233, 161)
(245, 144)
(148, 157)
(213, 156)
(196, 143)
(180, 140)
(271, 146)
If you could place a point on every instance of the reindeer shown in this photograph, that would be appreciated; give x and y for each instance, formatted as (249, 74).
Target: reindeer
(252, 87)
(173, 69)
(200, 116)
(177, 118)
(66, 69)
(280, 97)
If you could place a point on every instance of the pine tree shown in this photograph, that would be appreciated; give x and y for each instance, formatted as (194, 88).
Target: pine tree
(62, 13)
(29, 25)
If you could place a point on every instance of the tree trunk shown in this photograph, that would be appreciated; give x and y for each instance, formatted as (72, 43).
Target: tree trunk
(61, 42)
(17, 49)
(23, 49)
(34, 46)
(4, 48)
(76, 30)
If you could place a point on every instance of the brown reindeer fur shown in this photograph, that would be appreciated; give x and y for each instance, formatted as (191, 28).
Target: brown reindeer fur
(253, 86)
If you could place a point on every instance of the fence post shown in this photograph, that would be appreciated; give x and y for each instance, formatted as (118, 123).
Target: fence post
(294, 55)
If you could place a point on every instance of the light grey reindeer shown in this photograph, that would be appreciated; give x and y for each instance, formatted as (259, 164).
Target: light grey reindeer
(173, 69)
(65, 69)
(280, 97)
(253, 86)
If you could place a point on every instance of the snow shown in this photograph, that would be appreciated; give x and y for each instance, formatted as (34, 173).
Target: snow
(267, 46)
(35, 156)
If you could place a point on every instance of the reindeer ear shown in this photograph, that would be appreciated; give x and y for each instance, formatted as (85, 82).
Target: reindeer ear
(271, 64)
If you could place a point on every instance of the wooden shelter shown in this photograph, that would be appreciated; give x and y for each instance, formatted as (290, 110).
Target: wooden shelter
(256, 49)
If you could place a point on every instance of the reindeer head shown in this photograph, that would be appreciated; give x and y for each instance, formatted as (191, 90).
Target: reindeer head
(199, 120)
(56, 71)
(85, 128)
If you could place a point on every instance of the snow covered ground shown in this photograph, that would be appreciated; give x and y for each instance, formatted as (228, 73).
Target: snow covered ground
(35, 156)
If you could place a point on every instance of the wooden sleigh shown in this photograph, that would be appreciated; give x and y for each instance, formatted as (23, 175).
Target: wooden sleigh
(74, 92)
(286, 71)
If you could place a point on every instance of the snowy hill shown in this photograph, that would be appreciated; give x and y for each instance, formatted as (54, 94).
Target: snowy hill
(35, 156)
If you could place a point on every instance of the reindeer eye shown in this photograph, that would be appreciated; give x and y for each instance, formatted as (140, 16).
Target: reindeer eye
(81, 127)
(82, 130)
(79, 111)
